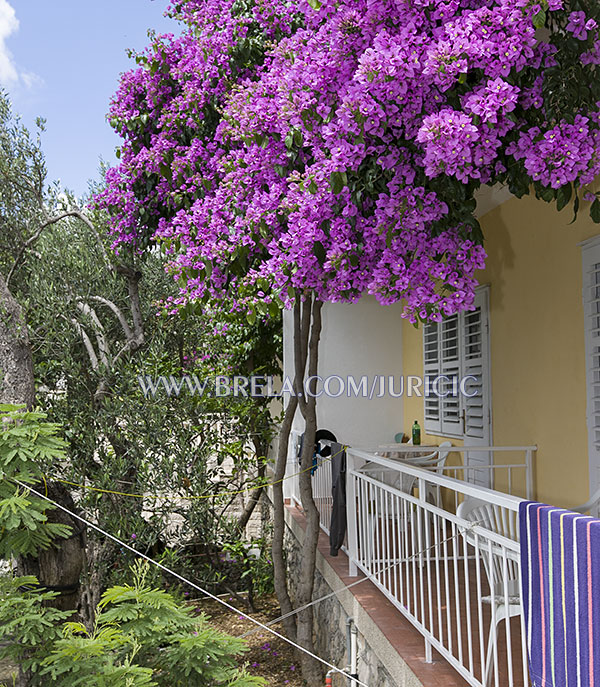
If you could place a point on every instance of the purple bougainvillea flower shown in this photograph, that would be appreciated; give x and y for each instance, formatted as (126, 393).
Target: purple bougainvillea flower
(344, 156)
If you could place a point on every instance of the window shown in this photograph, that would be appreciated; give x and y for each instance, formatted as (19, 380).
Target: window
(455, 349)
(591, 305)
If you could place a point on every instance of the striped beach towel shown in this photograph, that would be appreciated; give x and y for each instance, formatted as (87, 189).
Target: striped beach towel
(560, 580)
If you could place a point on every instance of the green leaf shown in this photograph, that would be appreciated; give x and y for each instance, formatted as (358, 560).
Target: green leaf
(307, 116)
(575, 208)
(315, 4)
(389, 237)
(336, 182)
(539, 19)
(563, 196)
(595, 211)
(546, 194)
(320, 252)
(251, 317)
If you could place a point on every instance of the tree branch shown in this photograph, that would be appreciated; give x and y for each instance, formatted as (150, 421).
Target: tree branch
(302, 318)
(88, 344)
(133, 280)
(48, 222)
(117, 311)
(304, 636)
(103, 349)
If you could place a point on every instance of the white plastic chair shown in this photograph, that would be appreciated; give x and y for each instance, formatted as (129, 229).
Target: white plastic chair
(434, 462)
(394, 478)
(592, 506)
(504, 606)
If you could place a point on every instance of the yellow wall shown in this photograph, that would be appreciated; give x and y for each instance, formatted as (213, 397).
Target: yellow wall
(536, 342)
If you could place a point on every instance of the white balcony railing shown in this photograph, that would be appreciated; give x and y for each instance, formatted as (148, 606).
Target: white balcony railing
(456, 579)
(509, 469)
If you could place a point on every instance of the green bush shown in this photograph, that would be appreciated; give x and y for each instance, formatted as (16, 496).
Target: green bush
(28, 628)
(28, 445)
(142, 637)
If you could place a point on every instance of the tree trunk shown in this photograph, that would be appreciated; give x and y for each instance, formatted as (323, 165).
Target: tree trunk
(311, 670)
(260, 451)
(60, 566)
(97, 552)
(277, 548)
(307, 325)
(16, 365)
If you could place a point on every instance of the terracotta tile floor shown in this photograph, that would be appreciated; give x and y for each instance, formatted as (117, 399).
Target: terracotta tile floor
(407, 640)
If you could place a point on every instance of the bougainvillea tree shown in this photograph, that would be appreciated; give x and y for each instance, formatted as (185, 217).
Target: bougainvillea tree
(302, 152)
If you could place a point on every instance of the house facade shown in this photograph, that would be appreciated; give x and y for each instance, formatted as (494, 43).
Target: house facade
(536, 312)
(528, 356)
(530, 343)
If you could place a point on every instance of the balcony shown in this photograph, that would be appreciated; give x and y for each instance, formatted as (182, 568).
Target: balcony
(441, 548)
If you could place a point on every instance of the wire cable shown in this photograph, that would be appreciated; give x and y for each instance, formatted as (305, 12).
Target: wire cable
(191, 584)
(195, 498)
(367, 578)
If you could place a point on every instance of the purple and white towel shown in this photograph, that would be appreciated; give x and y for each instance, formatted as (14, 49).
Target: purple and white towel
(560, 583)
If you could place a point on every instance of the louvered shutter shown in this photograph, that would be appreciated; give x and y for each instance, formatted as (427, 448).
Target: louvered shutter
(432, 369)
(451, 368)
(591, 303)
(455, 348)
(475, 363)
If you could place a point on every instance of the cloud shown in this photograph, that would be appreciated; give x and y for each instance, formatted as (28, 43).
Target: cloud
(10, 75)
(8, 25)
(29, 79)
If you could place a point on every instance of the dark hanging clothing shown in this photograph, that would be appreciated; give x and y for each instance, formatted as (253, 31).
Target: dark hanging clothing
(337, 528)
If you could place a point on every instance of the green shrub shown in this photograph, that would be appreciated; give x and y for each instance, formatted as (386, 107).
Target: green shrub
(142, 637)
(28, 445)
(28, 629)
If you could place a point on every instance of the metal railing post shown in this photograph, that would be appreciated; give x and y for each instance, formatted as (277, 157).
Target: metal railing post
(529, 476)
(352, 513)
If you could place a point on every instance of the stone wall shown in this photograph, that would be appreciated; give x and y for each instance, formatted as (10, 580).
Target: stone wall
(379, 664)
(330, 630)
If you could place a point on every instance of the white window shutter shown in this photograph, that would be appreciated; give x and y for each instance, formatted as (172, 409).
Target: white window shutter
(451, 368)
(455, 348)
(432, 369)
(475, 363)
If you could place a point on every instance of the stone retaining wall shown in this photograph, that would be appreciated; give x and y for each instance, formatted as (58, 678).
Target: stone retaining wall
(379, 664)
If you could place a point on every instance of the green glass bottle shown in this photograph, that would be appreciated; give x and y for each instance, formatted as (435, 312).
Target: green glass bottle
(416, 434)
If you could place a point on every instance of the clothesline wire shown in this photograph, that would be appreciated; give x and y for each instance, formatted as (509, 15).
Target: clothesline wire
(189, 582)
(367, 578)
(231, 493)
(195, 498)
